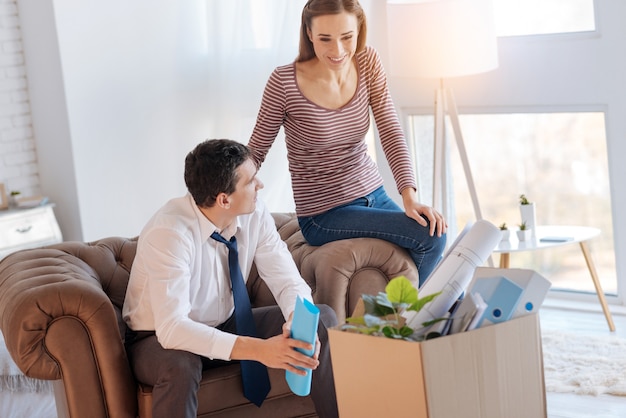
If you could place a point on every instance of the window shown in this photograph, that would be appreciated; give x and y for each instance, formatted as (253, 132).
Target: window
(539, 17)
(559, 160)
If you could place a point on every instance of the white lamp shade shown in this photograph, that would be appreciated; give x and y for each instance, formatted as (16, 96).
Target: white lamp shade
(441, 38)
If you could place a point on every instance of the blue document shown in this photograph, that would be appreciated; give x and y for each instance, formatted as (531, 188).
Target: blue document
(501, 295)
(304, 328)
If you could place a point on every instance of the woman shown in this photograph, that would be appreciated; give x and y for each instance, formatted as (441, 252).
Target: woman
(323, 101)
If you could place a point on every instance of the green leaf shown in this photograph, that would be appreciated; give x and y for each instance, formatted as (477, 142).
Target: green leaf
(388, 332)
(383, 300)
(368, 331)
(369, 303)
(401, 290)
(391, 332)
(406, 331)
(401, 307)
(433, 321)
(358, 320)
(373, 320)
(360, 329)
(419, 304)
(377, 305)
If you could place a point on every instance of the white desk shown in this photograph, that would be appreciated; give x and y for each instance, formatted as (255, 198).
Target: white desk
(570, 235)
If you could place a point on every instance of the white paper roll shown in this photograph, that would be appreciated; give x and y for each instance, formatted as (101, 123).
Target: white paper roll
(454, 273)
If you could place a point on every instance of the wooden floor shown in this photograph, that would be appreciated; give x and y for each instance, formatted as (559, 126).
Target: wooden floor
(563, 405)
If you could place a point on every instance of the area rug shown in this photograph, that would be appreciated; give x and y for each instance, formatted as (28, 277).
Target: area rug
(584, 364)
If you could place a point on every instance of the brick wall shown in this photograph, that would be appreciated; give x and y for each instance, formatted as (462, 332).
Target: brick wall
(18, 156)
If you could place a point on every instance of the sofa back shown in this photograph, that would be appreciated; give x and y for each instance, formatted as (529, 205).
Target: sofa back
(106, 263)
(109, 260)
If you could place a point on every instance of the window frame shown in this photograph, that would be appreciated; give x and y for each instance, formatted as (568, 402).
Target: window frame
(560, 295)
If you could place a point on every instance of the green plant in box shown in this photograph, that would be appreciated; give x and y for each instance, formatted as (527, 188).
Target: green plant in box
(383, 312)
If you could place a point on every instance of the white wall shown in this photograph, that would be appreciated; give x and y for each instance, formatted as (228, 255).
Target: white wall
(119, 94)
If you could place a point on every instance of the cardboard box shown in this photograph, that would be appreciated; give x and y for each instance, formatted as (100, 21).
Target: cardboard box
(490, 372)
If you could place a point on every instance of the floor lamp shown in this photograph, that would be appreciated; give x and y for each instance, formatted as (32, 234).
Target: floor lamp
(443, 39)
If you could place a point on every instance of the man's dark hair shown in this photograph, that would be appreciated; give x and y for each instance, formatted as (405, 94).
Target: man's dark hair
(211, 169)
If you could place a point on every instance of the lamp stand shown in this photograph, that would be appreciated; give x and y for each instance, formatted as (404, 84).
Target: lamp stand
(445, 104)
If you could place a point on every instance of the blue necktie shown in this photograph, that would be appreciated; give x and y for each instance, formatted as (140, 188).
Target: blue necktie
(256, 382)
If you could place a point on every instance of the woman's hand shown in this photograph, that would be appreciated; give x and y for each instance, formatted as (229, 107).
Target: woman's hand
(418, 211)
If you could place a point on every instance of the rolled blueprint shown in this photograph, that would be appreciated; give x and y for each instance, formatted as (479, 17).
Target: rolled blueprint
(454, 273)
(304, 328)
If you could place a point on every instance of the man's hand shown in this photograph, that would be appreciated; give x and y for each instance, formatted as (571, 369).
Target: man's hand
(278, 352)
(287, 334)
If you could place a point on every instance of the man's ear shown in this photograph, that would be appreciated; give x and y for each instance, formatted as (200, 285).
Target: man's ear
(223, 201)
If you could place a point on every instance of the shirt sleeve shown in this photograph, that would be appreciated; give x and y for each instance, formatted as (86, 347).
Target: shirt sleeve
(391, 135)
(269, 119)
(276, 267)
(168, 288)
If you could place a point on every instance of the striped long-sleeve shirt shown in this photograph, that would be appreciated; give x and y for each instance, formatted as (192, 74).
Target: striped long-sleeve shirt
(326, 148)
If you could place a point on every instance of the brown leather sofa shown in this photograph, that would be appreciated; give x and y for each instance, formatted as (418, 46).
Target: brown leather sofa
(60, 313)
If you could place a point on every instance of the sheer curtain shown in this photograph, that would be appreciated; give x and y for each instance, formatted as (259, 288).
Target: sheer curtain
(246, 40)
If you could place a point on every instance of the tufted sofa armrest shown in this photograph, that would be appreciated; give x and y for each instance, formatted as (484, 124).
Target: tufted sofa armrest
(55, 303)
(345, 270)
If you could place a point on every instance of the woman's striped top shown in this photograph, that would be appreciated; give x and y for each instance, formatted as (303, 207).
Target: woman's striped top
(326, 148)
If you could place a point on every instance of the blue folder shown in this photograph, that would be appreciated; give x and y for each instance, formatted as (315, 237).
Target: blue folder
(304, 328)
(501, 295)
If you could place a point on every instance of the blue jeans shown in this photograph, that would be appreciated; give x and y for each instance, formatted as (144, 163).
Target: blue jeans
(376, 216)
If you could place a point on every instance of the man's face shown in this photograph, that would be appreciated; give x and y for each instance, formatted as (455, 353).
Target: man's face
(243, 199)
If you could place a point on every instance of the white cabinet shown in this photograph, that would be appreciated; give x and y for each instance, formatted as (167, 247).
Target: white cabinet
(28, 228)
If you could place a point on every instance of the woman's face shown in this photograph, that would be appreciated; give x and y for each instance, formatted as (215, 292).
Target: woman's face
(334, 38)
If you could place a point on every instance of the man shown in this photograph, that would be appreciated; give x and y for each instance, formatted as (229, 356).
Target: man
(179, 300)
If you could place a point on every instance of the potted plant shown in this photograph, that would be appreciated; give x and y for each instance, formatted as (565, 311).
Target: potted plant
(524, 232)
(13, 199)
(527, 212)
(505, 231)
(381, 315)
